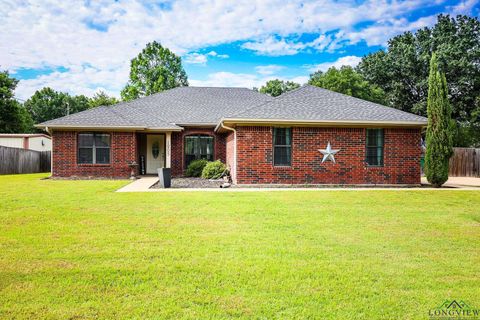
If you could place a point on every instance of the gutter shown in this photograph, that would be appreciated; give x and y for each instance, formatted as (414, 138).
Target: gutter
(220, 124)
(234, 176)
(20, 135)
(199, 124)
(418, 123)
(41, 126)
(50, 132)
(164, 130)
(117, 128)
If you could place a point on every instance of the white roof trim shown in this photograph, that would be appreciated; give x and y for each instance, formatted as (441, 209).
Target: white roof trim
(324, 122)
(73, 127)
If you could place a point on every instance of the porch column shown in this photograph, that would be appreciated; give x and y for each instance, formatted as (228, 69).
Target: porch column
(168, 147)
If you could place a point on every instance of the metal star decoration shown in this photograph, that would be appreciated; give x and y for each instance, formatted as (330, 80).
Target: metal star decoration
(328, 154)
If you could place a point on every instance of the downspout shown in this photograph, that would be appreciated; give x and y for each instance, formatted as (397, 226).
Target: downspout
(234, 150)
(51, 151)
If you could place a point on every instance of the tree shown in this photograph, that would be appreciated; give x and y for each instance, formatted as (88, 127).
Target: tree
(439, 129)
(277, 87)
(154, 70)
(402, 70)
(102, 99)
(47, 104)
(347, 81)
(77, 103)
(13, 116)
(26, 120)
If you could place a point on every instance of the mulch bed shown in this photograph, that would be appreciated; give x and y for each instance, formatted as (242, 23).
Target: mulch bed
(193, 183)
(84, 178)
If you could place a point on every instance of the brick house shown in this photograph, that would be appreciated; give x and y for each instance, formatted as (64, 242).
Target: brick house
(307, 136)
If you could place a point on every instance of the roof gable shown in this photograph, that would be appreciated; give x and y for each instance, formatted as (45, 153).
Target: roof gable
(182, 105)
(199, 105)
(310, 103)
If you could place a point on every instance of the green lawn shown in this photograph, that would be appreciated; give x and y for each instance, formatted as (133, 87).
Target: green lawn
(76, 249)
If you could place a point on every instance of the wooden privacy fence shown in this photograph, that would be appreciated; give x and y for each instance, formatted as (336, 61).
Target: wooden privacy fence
(465, 162)
(15, 160)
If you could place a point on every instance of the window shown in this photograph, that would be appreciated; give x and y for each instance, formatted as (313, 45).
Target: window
(374, 156)
(94, 148)
(282, 146)
(198, 147)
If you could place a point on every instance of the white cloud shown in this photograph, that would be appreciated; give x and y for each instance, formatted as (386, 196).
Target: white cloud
(269, 69)
(196, 58)
(379, 33)
(273, 47)
(299, 79)
(199, 58)
(215, 54)
(78, 80)
(58, 33)
(244, 80)
(464, 7)
(343, 61)
(227, 79)
(321, 43)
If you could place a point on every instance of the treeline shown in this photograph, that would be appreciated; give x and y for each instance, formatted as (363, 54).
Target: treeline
(43, 105)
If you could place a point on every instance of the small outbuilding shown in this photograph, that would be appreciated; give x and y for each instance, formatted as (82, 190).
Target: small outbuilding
(31, 141)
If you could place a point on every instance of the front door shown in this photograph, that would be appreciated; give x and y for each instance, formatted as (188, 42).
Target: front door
(155, 152)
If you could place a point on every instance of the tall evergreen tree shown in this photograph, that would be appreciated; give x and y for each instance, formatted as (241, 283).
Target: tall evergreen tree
(439, 129)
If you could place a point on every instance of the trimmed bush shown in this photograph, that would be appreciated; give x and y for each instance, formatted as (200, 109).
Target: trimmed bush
(214, 170)
(195, 168)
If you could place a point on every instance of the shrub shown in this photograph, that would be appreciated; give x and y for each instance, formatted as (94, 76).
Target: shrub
(214, 170)
(195, 168)
(439, 129)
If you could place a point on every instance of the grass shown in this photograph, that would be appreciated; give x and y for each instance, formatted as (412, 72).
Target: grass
(76, 249)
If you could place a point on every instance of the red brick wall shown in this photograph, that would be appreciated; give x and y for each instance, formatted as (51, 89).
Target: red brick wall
(401, 157)
(123, 149)
(177, 155)
(254, 156)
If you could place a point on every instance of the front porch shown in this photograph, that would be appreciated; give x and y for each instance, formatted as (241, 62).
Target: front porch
(154, 151)
(176, 149)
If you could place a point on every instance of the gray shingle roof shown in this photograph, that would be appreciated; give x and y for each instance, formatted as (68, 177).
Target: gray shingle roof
(194, 105)
(109, 116)
(182, 105)
(316, 104)
(171, 109)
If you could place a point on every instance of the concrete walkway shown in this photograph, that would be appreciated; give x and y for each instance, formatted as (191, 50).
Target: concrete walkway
(455, 183)
(459, 182)
(140, 185)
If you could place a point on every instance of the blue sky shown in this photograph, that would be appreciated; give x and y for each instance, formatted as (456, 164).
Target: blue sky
(85, 46)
